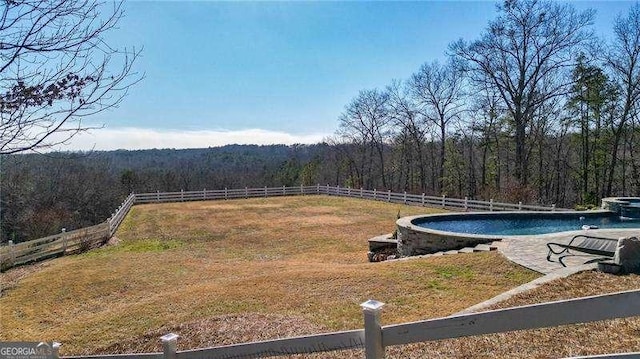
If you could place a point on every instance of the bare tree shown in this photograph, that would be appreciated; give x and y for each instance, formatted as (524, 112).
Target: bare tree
(525, 54)
(437, 89)
(405, 116)
(623, 62)
(56, 68)
(365, 121)
(486, 114)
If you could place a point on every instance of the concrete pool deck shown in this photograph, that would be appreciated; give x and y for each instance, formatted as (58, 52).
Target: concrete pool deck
(531, 251)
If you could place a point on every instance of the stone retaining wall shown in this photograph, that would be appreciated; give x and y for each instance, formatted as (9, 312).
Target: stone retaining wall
(414, 240)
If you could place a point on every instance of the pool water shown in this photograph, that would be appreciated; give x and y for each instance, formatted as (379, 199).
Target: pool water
(518, 225)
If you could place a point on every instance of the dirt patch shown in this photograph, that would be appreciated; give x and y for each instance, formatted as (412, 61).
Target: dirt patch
(218, 330)
(113, 241)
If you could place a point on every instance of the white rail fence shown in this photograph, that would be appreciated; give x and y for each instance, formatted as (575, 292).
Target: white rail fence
(374, 338)
(79, 240)
(118, 216)
(64, 243)
(386, 196)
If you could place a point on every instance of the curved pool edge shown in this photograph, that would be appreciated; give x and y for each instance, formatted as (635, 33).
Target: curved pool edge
(416, 240)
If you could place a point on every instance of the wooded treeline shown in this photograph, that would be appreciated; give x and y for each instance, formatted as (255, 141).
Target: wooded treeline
(43, 193)
(536, 109)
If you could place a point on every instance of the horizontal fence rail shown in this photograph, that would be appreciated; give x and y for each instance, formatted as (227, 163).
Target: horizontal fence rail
(118, 216)
(635, 355)
(86, 238)
(572, 311)
(120, 356)
(72, 242)
(64, 243)
(386, 196)
(299, 345)
(374, 338)
(206, 195)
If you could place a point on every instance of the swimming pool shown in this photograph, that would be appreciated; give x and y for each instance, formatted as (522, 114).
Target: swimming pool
(440, 232)
(515, 224)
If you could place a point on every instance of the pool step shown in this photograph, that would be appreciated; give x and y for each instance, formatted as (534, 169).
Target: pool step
(485, 247)
(478, 248)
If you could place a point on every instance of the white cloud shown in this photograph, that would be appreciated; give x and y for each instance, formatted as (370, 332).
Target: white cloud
(131, 138)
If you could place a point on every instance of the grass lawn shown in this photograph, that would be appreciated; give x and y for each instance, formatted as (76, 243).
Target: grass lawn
(222, 272)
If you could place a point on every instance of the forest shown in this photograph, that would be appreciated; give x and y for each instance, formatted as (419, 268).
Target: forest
(536, 109)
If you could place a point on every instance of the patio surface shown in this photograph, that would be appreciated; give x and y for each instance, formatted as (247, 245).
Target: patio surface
(531, 251)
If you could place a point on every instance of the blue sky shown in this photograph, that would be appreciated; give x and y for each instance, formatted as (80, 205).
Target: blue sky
(274, 72)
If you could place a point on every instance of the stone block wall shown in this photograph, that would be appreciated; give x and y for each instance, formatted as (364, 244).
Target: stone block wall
(414, 241)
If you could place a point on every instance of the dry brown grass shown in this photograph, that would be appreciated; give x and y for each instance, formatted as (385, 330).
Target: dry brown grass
(611, 336)
(234, 271)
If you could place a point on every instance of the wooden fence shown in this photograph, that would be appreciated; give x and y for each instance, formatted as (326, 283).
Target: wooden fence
(64, 243)
(121, 212)
(53, 246)
(376, 195)
(374, 338)
(206, 195)
(78, 240)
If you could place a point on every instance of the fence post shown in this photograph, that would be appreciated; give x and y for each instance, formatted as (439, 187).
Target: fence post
(246, 192)
(301, 189)
(372, 330)
(405, 197)
(337, 190)
(375, 194)
(226, 194)
(204, 194)
(12, 253)
(349, 191)
(169, 345)
(491, 204)
(265, 191)
(520, 206)
(466, 203)
(389, 196)
(157, 195)
(181, 195)
(360, 192)
(55, 350)
(317, 188)
(284, 190)
(553, 207)
(327, 190)
(65, 239)
(423, 200)
(443, 199)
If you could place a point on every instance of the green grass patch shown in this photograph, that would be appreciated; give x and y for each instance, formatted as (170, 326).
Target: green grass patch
(450, 272)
